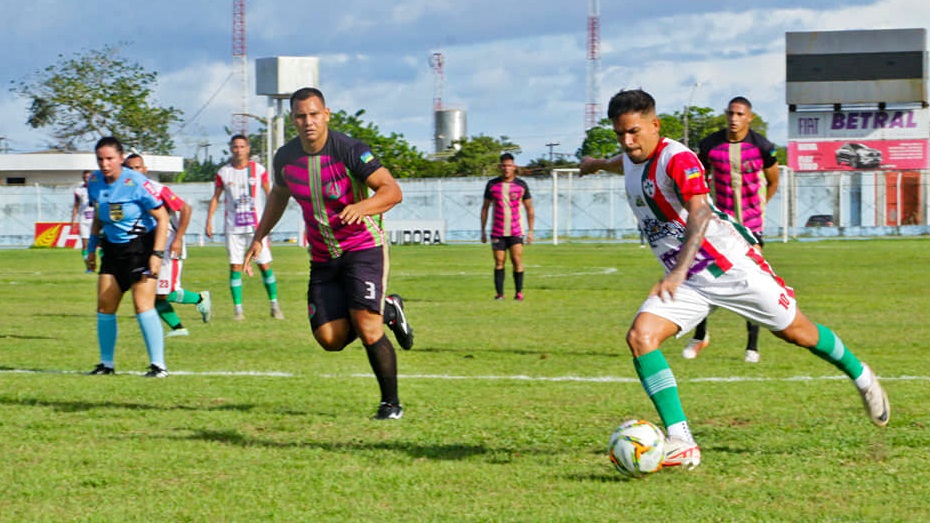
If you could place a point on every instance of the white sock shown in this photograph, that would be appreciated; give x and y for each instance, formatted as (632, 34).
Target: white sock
(865, 379)
(681, 431)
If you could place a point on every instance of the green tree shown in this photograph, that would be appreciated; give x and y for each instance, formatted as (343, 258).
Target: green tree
(600, 141)
(98, 93)
(480, 155)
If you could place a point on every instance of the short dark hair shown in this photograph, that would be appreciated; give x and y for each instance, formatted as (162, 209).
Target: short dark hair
(239, 136)
(630, 101)
(109, 141)
(133, 156)
(741, 100)
(307, 92)
(506, 156)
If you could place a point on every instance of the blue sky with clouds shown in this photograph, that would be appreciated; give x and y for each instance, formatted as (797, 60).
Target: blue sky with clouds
(517, 67)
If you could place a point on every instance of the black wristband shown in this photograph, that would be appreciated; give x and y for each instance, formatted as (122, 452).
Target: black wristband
(158, 254)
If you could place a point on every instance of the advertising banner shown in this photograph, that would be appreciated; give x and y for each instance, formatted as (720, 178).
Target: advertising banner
(415, 232)
(57, 234)
(859, 155)
(859, 125)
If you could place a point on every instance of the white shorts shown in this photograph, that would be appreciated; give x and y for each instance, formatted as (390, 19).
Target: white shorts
(751, 290)
(237, 244)
(169, 276)
(84, 228)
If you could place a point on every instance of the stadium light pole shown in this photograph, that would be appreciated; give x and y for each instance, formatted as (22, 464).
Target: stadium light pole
(688, 110)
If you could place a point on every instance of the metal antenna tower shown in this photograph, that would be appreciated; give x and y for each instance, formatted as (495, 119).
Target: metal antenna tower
(240, 122)
(592, 109)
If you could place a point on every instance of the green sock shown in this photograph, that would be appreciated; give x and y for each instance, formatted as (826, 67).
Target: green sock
(166, 312)
(659, 383)
(235, 286)
(271, 285)
(830, 348)
(182, 296)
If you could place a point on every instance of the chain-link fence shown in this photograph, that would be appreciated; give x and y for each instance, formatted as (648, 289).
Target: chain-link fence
(592, 207)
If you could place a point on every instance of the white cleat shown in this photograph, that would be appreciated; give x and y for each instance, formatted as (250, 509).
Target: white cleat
(681, 453)
(694, 347)
(752, 356)
(205, 307)
(876, 401)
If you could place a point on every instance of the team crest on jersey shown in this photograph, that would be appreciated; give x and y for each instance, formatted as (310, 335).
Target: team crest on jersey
(116, 212)
(649, 188)
(333, 191)
(367, 157)
(639, 201)
(128, 182)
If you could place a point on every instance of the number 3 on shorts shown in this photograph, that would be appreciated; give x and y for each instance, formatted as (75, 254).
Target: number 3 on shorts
(370, 295)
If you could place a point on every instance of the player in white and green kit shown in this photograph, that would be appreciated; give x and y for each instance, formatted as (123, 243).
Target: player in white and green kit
(709, 262)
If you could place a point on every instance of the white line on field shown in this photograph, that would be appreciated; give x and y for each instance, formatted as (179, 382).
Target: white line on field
(449, 377)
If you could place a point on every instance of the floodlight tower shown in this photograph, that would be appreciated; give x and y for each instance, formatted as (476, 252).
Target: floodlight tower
(240, 122)
(592, 109)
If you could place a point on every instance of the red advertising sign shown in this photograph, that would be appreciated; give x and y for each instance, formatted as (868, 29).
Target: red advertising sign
(57, 234)
(862, 155)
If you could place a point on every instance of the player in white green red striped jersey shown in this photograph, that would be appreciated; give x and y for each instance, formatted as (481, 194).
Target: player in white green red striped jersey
(169, 288)
(244, 185)
(709, 262)
(330, 174)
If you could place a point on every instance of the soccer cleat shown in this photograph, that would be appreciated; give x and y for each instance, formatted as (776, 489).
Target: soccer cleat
(389, 411)
(101, 370)
(694, 347)
(276, 312)
(752, 356)
(173, 333)
(499, 297)
(679, 452)
(205, 306)
(156, 372)
(518, 296)
(399, 325)
(876, 401)
(238, 315)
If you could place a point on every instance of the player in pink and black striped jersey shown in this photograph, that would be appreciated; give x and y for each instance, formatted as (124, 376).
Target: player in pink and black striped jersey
(342, 190)
(506, 193)
(743, 172)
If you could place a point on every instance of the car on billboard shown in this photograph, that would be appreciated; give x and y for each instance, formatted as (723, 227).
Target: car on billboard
(820, 220)
(858, 155)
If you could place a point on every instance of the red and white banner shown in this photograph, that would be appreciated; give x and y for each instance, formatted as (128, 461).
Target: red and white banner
(861, 155)
(57, 234)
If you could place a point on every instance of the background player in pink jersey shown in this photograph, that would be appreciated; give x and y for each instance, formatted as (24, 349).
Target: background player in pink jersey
(342, 190)
(506, 193)
(709, 262)
(743, 175)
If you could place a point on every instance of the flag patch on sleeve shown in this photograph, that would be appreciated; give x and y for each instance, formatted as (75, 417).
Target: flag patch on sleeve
(693, 172)
(367, 157)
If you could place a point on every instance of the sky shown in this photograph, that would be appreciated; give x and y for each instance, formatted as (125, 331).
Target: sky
(517, 68)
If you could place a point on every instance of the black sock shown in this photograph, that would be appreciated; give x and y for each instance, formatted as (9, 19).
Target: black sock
(499, 280)
(518, 281)
(701, 331)
(383, 362)
(752, 343)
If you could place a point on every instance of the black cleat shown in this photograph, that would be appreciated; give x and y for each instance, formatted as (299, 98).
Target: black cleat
(399, 325)
(101, 369)
(389, 411)
(156, 372)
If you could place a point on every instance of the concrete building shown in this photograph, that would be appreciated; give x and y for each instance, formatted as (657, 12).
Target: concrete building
(55, 167)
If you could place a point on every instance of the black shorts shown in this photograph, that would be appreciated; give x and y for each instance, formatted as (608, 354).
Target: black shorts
(355, 280)
(127, 262)
(502, 243)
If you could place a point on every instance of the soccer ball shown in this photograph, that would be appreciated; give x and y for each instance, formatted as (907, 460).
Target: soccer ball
(637, 448)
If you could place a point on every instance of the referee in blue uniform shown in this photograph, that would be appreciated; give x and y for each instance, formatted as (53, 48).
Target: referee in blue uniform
(131, 227)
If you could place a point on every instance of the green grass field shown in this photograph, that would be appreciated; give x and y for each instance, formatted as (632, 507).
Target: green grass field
(508, 405)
